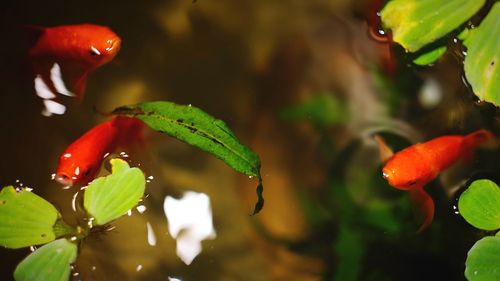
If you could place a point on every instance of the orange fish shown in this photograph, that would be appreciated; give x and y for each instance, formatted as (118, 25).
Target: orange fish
(413, 167)
(80, 162)
(68, 53)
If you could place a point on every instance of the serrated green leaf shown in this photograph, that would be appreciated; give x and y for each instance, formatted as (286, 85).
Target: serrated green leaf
(50, 262)
(483, 260)
(108, 198)
(416, 23)
(480, 205)
(25, 219)
(430, 57)
(195, 127)
(483, 57)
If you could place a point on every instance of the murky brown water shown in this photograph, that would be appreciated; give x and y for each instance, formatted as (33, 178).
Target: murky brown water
(328, 212)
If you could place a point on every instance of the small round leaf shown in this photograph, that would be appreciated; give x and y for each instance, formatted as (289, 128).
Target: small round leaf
(483, 260)
(50, 262)
(108, 198)
(25, 218)
(480, 205)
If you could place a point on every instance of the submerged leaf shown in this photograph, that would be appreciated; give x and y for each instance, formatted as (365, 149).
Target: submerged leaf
(50, 262)
(25, 218)
(108, 198)
(483, 260)
(323, 110)
(195, 127)
(416, 23)
(482, 62)
(480, 205)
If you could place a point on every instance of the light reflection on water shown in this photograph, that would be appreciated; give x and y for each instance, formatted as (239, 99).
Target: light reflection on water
(189, 222)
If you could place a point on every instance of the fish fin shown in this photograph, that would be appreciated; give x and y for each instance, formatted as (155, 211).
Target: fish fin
(76, 78)
(423, 207)
(385, 151)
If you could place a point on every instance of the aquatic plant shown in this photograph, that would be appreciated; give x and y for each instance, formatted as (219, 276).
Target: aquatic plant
(480, 206)
(27, 220)
(421, 27)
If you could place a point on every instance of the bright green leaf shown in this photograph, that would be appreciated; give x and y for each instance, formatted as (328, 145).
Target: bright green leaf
(108, 198)
(50, 262)
(483, 260)
(323, 110)
(416, 23)
(25, 218)
(430, 57)
(195, 127)
(480, 205)
(483, 57)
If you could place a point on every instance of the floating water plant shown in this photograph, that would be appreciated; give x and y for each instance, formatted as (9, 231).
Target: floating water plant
(27, 219)
(480, 206)
(421, 26)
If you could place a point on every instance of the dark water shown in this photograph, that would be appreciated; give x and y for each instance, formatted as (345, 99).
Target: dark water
(329, 215)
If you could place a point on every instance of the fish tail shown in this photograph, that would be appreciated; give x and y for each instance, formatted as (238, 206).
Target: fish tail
(472, 140)
(423, 207)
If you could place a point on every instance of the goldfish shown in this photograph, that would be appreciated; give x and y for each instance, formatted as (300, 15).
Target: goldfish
(413, 167)
(69, 53)
(81, 160)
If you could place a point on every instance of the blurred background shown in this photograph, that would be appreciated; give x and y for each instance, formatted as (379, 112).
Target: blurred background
(305, 86)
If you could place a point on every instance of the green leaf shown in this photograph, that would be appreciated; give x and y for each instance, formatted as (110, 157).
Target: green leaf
(483, 260)
(50, 262)
(195, 127)
(108, 198)
(483, 57)
(323, 110)
(430, 57)
(350, 250)
(416, 23)
(25, 218)
(480, 205)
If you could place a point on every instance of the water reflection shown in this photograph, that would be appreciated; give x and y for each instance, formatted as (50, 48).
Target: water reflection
(189, 222)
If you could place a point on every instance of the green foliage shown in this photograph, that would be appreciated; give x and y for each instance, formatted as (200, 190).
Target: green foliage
(50, 262)
(323, 110)
(480, 205)
(25, 218)
(482, 62)
(195, 127)
(110, 197)
(483, 260)
(416, 23)
(430, 57)
(350, 249)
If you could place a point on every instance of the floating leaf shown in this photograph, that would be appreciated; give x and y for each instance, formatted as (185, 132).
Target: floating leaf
(480, 205)
(483, 260)
(50, 262)
(483, 57)
(25, 218)
(323, 110)
(108, 198)
(416, 23)
(430, 57)
(195, 127)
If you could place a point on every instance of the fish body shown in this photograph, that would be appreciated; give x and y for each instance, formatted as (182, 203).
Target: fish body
(82, 159)
(413, 167)
(76, 49)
